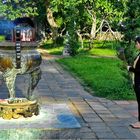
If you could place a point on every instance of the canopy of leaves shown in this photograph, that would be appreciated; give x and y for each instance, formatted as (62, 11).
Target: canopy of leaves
(109, 10)
(131, 20)
(18, 8)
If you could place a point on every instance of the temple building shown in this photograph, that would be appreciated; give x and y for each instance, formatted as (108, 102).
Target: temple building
(26, 25)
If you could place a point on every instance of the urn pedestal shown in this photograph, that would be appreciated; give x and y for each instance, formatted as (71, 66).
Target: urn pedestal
(20, 107)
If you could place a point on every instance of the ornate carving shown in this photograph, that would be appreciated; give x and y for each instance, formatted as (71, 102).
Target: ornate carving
(30, 62)
(20, 107)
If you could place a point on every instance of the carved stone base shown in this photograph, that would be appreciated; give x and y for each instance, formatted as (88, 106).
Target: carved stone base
(19, 107)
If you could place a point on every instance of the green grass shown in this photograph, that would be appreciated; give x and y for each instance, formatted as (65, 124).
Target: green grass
(102, 75)
(2, 38)
(105, 76)
(102, 52)
(53, 49)
(100, 48)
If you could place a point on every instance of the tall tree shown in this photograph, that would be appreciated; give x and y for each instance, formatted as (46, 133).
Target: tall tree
(104, 10)
(89, 14)
(51, 20)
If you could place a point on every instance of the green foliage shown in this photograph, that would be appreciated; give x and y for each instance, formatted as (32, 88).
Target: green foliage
(112, 11)
(2, 7)
(19, 8)
(102, 75)
(73, 38)
(41, 11)
(59, 40)
(130, 28)
(69, 16)
(109, 9)
(131, 20)
(130, 53)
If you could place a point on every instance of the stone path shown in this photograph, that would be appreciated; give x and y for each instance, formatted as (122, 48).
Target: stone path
(100, 119)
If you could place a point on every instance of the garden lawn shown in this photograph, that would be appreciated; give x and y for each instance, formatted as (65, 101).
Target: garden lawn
(53, 49)
(2, 38)
(100, 48)
(105, 76)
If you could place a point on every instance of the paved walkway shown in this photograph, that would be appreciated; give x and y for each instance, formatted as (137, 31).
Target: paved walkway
(100, 119)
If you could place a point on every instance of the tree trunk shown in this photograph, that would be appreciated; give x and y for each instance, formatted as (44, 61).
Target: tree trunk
(93, 31)
(51, 21)
(93, 28)
(81, 39)
(41, 34)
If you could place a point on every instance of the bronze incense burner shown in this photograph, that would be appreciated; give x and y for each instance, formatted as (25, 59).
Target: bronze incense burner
(19, 56)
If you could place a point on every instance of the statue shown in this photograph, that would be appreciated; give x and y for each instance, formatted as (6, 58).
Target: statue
(66, 51)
